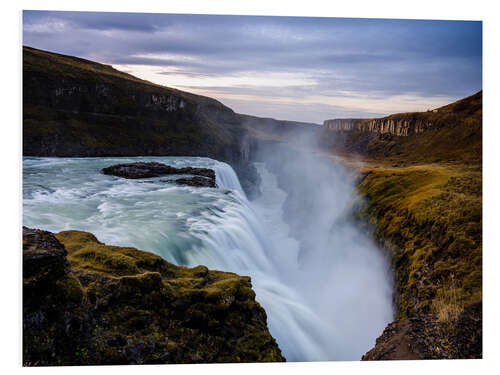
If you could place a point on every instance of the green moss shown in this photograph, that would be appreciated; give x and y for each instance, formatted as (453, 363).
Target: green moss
(432, 216)
(145, 305)
(71, 288)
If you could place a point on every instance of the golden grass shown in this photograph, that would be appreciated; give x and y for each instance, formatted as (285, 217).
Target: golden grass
(432, 216)
(447, 305)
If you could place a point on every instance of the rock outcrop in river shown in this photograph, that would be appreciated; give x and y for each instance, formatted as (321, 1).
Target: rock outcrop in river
(87, 303)
(203, 177)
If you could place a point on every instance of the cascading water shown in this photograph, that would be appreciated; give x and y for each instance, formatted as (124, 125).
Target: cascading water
(317, 310)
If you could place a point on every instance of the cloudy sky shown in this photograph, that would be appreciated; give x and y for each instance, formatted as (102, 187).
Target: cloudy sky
(294, 68)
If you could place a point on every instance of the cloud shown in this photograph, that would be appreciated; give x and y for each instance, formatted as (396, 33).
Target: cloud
(323, 58)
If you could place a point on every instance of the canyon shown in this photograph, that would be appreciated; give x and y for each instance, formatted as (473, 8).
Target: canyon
(418, 183)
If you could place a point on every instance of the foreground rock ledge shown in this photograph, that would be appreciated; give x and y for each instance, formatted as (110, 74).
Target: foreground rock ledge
(204, 177)
(87, 303)
(421, 337)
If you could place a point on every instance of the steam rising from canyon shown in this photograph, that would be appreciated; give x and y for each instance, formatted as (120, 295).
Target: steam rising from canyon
(320, 251)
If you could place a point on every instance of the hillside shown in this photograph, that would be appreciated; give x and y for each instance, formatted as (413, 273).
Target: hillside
(76, 107)
(451, 134)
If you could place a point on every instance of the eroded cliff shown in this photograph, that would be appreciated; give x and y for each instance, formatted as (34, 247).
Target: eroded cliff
(405, 124)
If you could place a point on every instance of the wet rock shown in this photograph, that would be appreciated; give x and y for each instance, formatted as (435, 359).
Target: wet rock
(154, 169)
(203, 177)
(467, 336)
(197, 181)
(43, 256)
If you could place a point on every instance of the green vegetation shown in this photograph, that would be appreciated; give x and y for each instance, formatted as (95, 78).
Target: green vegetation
(120, 305)
(430, 216)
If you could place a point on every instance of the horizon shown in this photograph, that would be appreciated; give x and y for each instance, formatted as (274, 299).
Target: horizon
(289, 68)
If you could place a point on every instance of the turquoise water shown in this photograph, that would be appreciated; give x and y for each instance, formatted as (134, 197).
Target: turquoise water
(320, 310)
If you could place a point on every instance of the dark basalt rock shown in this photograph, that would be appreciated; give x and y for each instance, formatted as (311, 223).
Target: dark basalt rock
(87, 303)
(43, 256)
(153, 169)
(205, 177)
(197, 181)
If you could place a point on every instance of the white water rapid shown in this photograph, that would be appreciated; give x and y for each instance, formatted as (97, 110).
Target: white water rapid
(331, 305)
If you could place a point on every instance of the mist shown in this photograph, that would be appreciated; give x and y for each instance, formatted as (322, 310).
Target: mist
(321, 252)
(325, 286)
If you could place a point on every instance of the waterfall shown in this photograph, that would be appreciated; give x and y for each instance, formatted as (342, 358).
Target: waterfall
(235, 240)
(330, 307)
(226, 178)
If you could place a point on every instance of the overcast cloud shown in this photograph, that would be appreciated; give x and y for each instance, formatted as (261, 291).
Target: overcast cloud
(305, 69)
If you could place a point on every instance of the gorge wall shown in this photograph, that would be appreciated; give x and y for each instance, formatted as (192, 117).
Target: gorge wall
(451, 134)
(75, 107)
(400, 125)
(406, 124)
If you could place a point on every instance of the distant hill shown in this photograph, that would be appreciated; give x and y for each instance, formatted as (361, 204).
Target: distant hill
(76, 107)
(450, 133)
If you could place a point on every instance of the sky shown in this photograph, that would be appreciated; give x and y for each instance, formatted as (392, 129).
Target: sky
(292, 68)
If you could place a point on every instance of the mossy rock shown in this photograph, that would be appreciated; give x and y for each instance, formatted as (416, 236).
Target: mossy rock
(120, 305)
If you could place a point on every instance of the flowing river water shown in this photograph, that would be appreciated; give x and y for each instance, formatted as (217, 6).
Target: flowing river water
(327, 304)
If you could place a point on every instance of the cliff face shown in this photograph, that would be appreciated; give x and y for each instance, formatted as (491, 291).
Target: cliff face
(75, 107)
(405, 124)
(422, 198)
(401, 126)
(451, 134)
(86, 303)
(424, 338)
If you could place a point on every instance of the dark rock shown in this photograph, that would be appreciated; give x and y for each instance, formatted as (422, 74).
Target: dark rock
(421, 337)
(196, 181)
(154, 169)
(204, 177)
(43, 256)
(468, 332)
(86, 303)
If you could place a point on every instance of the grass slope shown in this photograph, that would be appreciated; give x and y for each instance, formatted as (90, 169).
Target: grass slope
(430, 216)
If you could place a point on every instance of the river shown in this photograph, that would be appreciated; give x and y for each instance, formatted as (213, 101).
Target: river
(329, 303)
